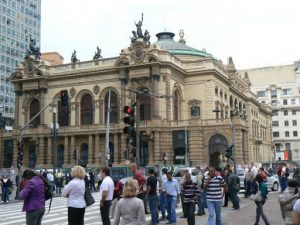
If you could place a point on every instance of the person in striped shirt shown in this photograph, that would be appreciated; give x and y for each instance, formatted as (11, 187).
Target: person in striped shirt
(213, 185)
(189, 189)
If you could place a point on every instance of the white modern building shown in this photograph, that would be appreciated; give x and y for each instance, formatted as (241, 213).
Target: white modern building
(279, 87)
(20, 20)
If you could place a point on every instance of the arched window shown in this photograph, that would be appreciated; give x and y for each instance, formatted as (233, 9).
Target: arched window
(145, 105)
(84, 153)
(34, 109)
(195, 111)
(176, 106)
(60, 156)
(63, 117)
(87, 112)
(114, 106)
(31, 156)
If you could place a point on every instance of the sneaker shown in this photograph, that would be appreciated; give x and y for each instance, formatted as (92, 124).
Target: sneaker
(162, 219)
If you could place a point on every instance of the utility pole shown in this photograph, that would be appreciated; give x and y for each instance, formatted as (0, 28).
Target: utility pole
(137, 130)
(54, 135)
(107, 150)
(233, 143)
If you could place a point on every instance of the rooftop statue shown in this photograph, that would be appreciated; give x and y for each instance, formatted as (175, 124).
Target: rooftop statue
(98, 54)
(33, 50)
(147, 37)
(139, 27)
(139, 32)
(134, 37)
(74, 58)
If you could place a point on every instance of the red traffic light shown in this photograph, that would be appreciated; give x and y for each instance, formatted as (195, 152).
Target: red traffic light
(128, 110)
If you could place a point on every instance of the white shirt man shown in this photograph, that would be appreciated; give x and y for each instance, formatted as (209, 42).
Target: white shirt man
(106, 195)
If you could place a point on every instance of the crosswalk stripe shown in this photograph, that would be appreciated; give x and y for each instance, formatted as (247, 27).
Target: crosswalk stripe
(11, 213)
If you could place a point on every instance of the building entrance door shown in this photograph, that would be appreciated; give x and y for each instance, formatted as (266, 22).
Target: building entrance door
(217, 144)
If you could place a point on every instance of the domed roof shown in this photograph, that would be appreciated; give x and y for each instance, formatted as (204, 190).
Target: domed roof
(165, 41)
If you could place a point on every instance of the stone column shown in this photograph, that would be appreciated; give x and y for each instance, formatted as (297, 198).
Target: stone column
(17, 108)
(90, 161)
(49, 152)
(102, 116)
(123, 146)
(41, 150)
(97, 112)
(156, 153)
(168, 100)
(156, 78)
(42, 104)
(72, 161)
(66, 151)
(116, 149)
(97, 149)
(73, 114)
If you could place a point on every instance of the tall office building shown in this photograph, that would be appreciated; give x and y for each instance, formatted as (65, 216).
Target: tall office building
(20, 20)
(279, 87)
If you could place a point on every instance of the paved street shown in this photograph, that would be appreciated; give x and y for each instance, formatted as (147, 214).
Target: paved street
(10, 214)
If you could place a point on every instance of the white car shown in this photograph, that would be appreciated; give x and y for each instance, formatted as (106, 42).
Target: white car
(272, 180)
(192, 170)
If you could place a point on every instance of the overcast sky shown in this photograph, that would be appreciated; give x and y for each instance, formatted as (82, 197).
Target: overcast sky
(255, 33)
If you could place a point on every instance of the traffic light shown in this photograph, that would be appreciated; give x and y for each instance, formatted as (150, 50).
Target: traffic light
(74, 154)
(129, 119)
(64, 97)
(20, 155)
(133, 152)
(228, 151)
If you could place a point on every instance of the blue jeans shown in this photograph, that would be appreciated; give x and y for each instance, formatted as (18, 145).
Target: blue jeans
(234, 198)
(284, 181)
(248, 188)
(5, 194)
(152, 200)
(162, 204)
(171, 207)
(200, 203)
(204, 199)
(214, 208)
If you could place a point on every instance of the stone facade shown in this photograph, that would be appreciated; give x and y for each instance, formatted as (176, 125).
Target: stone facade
(194, 102)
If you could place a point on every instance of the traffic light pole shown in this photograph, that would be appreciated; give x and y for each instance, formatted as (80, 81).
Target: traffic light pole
(137, 130)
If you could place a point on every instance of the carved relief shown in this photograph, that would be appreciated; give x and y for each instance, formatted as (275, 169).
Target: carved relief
(72, 92)
(96, 89)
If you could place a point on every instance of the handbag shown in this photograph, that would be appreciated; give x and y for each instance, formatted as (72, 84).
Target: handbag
(256, 197)
(88, 197)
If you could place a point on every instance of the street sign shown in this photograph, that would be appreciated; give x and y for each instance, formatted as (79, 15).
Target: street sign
(127, 162)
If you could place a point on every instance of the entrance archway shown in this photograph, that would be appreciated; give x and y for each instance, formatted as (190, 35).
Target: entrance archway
(217, 144)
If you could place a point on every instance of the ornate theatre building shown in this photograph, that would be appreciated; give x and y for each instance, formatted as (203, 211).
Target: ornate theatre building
(190, 101)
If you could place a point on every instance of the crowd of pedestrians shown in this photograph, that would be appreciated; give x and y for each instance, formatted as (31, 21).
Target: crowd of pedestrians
(203, 193)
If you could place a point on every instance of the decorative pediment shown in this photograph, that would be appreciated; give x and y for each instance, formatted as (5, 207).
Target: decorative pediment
(194, 102)
(31, 67)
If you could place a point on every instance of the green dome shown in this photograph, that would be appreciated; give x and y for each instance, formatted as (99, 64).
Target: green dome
(165, 41)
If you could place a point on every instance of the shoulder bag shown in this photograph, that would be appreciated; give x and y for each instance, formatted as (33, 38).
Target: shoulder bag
(88, 197)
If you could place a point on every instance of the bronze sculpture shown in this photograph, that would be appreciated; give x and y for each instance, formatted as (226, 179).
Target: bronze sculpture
(97, 54)
(74, 58)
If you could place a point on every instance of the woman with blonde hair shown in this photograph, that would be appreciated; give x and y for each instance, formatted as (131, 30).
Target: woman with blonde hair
(74, 191)
(130, 208)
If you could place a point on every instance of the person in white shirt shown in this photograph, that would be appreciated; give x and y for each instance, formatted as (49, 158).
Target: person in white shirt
(254, 169)
(50, 178)
(74, 191)
(162, 197)
(106, 195)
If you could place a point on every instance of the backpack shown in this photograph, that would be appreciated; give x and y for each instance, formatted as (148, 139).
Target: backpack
(118, 189)
(48, 192)
(287, 172)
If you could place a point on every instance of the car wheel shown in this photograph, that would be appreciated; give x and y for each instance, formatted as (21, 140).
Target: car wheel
(275, 186)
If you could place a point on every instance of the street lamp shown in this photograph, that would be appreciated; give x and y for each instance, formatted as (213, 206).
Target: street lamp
(54, 130)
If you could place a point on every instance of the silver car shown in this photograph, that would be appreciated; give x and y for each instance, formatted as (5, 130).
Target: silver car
(192, 170)
(272, 180)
